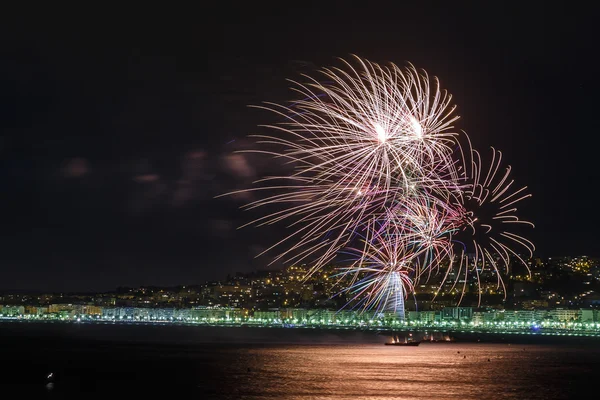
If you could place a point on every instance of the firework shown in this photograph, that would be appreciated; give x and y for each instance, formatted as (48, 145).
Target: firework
(381, 276)
(379, 172)
(486, 218)
(360, 143)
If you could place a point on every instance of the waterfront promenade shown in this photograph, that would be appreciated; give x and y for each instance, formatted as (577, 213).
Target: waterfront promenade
(471, 329)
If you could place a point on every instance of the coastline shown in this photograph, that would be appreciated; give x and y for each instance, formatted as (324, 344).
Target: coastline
(173, 333)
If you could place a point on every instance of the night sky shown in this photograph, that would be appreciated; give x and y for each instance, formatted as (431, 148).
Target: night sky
(118, 127)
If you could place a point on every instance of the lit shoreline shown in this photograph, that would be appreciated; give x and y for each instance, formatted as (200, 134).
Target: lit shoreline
(447, 330)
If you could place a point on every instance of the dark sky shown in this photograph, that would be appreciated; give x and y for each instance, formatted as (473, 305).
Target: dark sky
(118, 126)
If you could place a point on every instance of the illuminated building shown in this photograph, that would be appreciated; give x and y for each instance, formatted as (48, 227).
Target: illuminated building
(13, 310)
(70, 309)
(564, 315)
(92, 310)
(35, 310)
(457, 313)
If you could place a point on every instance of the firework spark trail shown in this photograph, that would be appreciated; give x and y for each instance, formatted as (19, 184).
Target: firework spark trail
(360, 143)
(490, 241)
(382, 270)
(376, 159)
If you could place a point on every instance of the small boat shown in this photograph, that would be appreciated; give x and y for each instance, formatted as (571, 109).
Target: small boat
(411, 343)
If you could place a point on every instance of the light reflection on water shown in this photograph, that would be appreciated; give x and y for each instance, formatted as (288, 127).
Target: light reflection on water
(128, 361)
(430, 371)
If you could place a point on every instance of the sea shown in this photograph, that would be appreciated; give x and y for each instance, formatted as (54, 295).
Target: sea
(66, 360)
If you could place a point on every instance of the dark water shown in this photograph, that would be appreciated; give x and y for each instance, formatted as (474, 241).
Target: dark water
(253, 363)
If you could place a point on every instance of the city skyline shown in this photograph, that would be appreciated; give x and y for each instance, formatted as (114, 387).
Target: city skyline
(568, 276)
(535, 305)
(116, 142)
